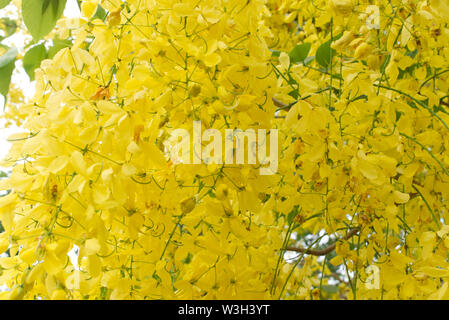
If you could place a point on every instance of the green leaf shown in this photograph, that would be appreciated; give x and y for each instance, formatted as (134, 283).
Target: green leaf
(40, 16)
(8, 57)
(100, 14)
(4, 3)
(324, 53)
(300, 52)
(7, 64)
(8, 26)
(5, 78)
(58, 44)
(33, 59)
(3, 174)
(275, 53)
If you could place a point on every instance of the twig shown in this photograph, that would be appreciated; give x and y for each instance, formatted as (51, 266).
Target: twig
(279, 103)
(282, 106)
(325, 251)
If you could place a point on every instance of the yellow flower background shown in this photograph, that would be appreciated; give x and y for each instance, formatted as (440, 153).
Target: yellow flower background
(359, 92)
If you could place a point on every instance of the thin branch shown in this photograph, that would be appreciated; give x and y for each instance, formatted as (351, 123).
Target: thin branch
(279, 103)
(282, 106)
(325, 251)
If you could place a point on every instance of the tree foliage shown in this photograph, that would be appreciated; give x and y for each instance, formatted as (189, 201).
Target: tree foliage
(358, 92)
(36, 18)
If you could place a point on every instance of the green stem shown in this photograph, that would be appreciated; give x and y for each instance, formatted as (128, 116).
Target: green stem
(427, 150)
(428, 207)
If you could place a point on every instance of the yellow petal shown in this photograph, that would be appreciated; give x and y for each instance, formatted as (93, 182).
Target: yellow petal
(92, 246)
(400, 197)
(284, 59)
(58, 164)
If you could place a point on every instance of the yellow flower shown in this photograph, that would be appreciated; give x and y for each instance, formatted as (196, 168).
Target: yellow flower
(342, 7)
(89, 7)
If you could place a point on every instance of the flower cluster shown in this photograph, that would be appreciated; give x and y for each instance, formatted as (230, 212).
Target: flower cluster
(359, 93)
